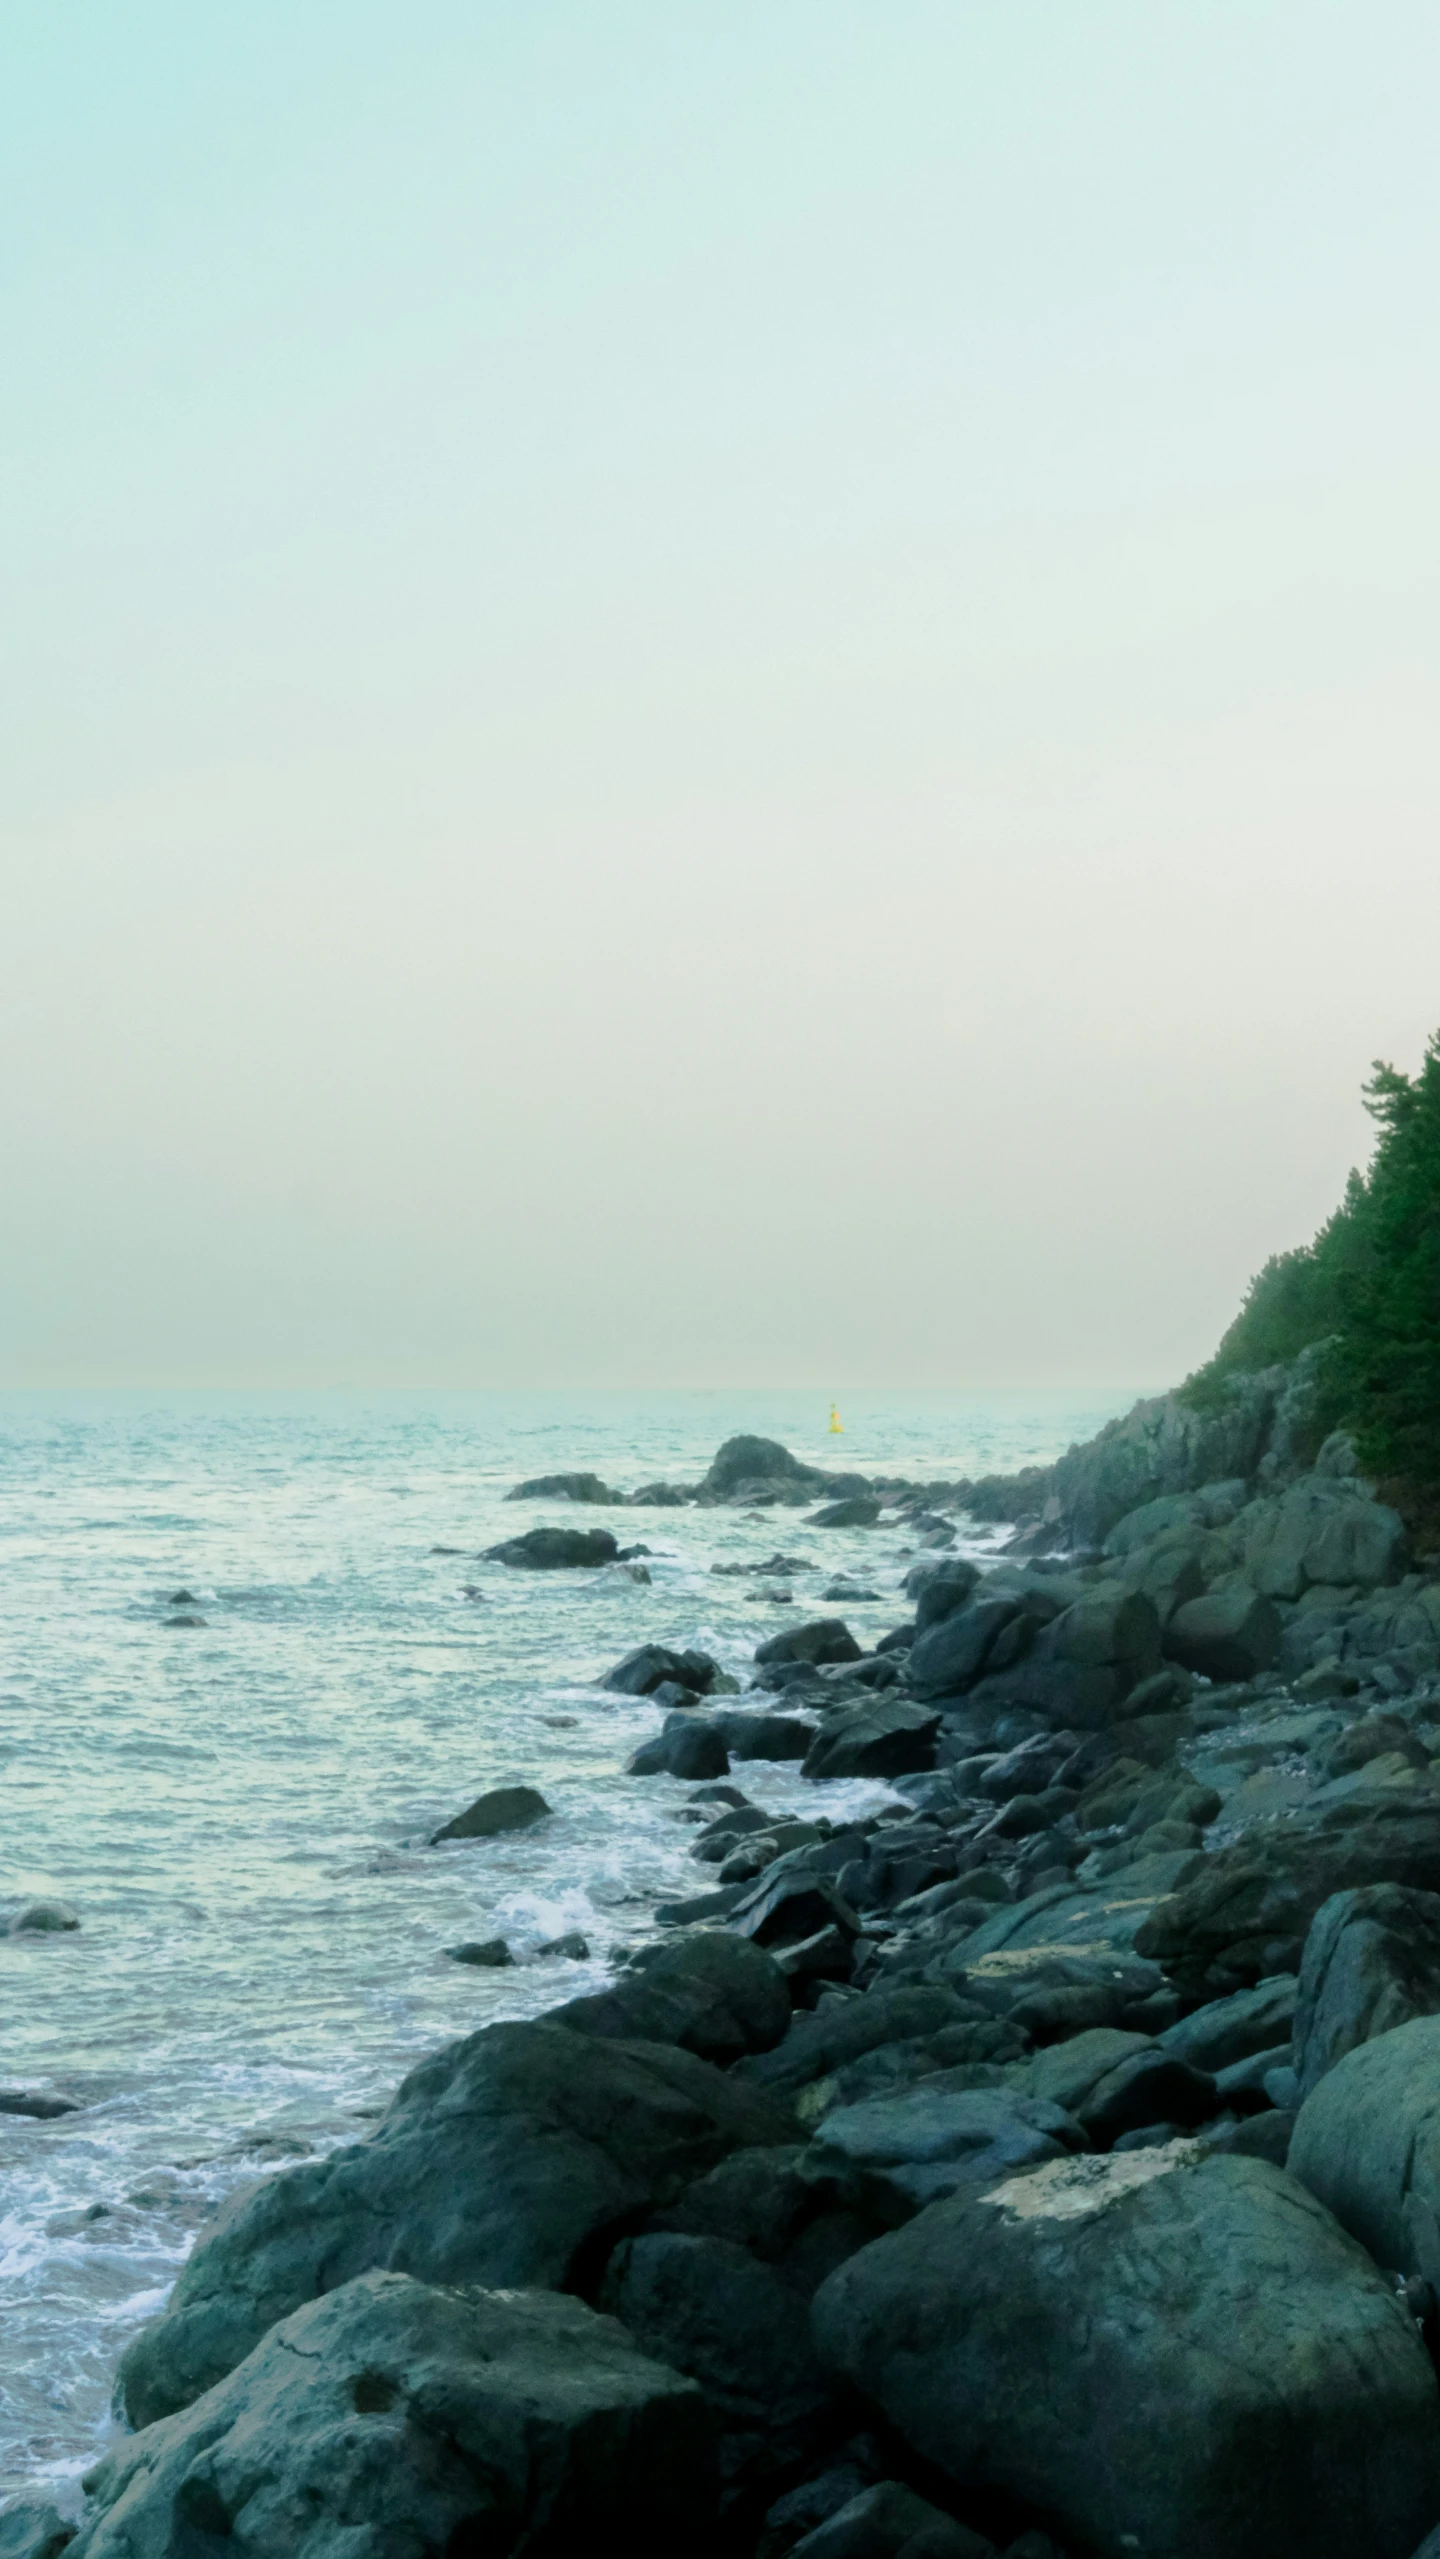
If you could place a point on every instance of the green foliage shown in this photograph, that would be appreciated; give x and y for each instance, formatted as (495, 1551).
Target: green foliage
(1385, 1367)
(1295, 1300)
(1368, 1287)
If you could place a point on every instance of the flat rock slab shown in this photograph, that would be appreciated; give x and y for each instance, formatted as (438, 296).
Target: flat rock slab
(1167, 2354)
(503, 1808)
(394, 2418)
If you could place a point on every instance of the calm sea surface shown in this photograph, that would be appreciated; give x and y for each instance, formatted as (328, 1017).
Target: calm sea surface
(239, 1809)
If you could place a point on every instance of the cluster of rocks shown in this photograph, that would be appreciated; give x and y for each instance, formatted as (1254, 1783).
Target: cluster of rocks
(1045, 2163)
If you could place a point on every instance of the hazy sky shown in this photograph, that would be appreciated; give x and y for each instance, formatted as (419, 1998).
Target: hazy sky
(736, 693)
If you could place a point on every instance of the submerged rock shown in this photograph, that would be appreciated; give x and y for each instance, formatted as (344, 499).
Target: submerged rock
(45, 1919)
(43, 2108)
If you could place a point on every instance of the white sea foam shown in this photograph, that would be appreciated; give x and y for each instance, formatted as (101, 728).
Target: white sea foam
(239, 1810)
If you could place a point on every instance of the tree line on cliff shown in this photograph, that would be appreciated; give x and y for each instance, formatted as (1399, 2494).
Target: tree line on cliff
(1368, 1288)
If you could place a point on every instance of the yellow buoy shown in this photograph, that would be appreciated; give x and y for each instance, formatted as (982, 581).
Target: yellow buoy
(835, 1422)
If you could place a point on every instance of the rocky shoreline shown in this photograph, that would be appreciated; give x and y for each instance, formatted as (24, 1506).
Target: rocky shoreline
(1046, 2164)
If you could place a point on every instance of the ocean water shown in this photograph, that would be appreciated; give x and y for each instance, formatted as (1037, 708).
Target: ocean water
(239, 1808)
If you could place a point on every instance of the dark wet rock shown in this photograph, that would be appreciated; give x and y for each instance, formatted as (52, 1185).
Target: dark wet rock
(748, 1463)
(661, 1497)
(1372, 1737)
(819, 2045)
(650, 1666)
(700, 1909)
(857, 1510)
(564, 1488)
(504, 1808)
(489, 1953)
(741, 1820)
(1248, 1910)
(828, 1956)
(948, 1657)
(887, 1738)
(685, 1746)
(1228, 1634)
(844, 1592)
(45, 1919)
(752, 1736)
(822, 1639)
(793, 1905)
(1367, 2143)
(708, 2308)
(1091, 2338)
(889, 2521)
(1054, 1997)
(1230, 2030)
(1113, 2081)
(391, 2417)
(891, 2156)
(550, 1550)
(573, 1947)
(714, 1994)
(1371, 1961)
(502, 2161)
(31, 2530)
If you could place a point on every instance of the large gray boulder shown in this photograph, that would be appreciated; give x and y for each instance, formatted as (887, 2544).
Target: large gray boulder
(889, 1737)
(394, 2420)
(1372, 1961)
(820, 1639)
(687, 1746)
(502, 1809)
(1248, 1910)
(1164, 2354)
(938, 1588)
(1230, 1633)
(1367, 2142)
(650, 1665)
(748, 1464)
(499, 2162)
(1324, 1530)
(712, 1993)
(951, 1655)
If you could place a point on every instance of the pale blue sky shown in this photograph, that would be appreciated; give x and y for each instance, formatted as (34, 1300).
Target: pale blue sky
(709, 694)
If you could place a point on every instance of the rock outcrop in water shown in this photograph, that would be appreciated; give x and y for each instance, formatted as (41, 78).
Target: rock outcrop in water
(1038, 2163)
